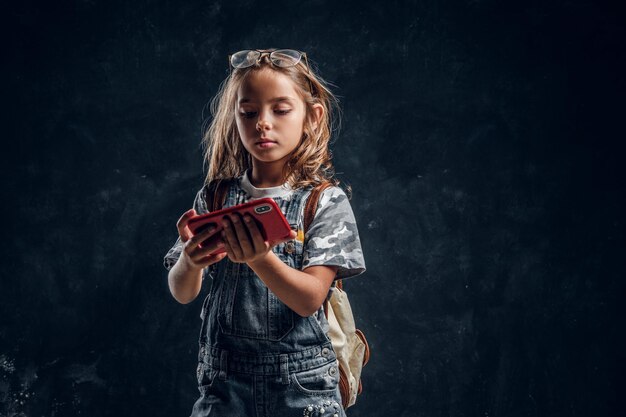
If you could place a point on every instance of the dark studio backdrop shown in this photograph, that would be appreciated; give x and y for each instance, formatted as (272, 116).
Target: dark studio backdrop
(482, 140)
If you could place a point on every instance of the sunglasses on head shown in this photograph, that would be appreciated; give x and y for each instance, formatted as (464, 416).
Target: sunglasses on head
(283, 58)
(280, 57)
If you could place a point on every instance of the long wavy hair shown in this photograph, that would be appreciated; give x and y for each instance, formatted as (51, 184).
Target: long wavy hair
(309, 163)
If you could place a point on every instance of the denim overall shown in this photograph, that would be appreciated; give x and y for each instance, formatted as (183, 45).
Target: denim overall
(258, 358)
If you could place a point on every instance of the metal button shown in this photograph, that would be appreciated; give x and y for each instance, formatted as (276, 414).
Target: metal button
(332, 371)
(290, 247)
(325, 351)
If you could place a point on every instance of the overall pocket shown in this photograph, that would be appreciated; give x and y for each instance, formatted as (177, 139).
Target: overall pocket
(322, 380)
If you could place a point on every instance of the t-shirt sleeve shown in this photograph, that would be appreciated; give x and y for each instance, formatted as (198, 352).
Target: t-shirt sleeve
(172, 255)
(333, 237)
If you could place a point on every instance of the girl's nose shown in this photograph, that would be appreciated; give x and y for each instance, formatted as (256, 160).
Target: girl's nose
(262, 125)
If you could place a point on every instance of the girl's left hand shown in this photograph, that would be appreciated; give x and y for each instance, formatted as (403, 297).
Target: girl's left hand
(243, 240)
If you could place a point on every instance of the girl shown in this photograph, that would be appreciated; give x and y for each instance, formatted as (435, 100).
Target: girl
(264, 348)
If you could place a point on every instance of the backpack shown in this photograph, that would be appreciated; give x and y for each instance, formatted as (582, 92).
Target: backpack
(349, 343)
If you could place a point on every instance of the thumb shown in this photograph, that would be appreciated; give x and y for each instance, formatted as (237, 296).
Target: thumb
(183, 229)
(292, 235)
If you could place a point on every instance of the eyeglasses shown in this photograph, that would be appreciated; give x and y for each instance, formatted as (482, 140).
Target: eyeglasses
(283, 58)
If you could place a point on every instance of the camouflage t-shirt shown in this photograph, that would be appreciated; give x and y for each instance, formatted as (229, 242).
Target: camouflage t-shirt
(332, 238)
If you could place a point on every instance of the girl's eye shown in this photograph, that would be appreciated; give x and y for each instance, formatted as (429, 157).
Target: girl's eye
(251, 114)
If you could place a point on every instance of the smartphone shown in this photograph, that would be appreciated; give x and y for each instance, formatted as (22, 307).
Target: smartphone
(264, 211)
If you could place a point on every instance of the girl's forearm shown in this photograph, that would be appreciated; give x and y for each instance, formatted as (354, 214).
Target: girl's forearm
(301, 292)
(185, 283)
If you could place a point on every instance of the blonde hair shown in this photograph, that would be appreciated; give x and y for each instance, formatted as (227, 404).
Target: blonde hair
(310, 162)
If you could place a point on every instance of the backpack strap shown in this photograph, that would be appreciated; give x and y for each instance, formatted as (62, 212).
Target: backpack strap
(311, 204)
(309, 214)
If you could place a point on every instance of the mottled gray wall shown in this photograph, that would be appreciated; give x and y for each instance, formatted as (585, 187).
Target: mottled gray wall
(482, 140)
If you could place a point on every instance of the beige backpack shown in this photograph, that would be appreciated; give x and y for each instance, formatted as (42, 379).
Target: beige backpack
(349, 343)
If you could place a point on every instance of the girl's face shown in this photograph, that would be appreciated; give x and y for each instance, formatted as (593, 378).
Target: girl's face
(270, 116)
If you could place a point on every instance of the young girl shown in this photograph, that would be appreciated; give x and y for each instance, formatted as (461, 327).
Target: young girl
(264, 348)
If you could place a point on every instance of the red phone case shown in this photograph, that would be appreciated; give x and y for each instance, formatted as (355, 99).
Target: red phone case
(269, 219)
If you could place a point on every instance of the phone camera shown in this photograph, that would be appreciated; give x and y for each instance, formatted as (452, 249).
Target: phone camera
(262, 209)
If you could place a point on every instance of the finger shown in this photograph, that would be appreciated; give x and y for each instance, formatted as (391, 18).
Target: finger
(229, 236)
(206, 250)
(181, 225)
(292, 235)
(203, 235)
(247, 248)
(229, 251)
(211, 259)
(207, 260)
(257, 238)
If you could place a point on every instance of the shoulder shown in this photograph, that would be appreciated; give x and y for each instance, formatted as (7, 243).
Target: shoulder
(332, 195)
(333, 207)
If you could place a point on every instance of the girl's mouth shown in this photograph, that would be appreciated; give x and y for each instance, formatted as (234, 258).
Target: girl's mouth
(267, 144)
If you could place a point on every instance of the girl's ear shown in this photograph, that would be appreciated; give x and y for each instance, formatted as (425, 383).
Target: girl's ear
(318, 113)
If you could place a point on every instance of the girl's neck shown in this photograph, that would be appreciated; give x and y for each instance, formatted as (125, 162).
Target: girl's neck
(264, 175)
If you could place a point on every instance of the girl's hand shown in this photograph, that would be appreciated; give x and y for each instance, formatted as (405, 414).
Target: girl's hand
(192, 255)
(243, 239)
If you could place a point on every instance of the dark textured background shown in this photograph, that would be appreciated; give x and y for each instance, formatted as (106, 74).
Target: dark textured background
(483, 144)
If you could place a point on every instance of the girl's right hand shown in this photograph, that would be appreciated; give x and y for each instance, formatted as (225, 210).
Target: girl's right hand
(194, 256)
